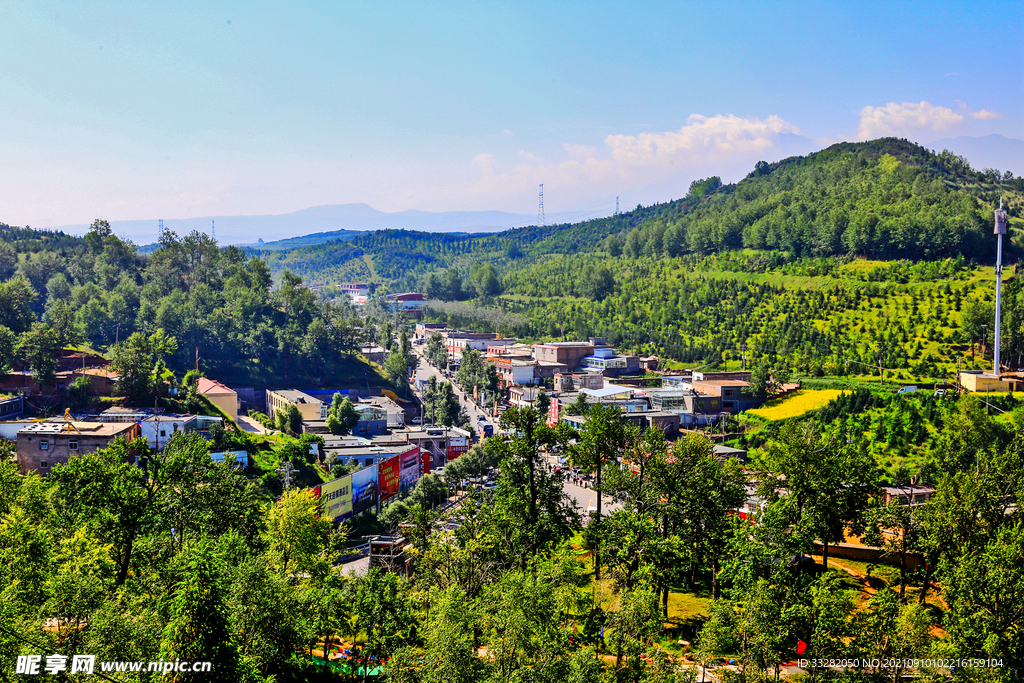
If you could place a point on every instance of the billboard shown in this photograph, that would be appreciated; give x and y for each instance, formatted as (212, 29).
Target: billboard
(336, 498)
(456, 451)
(409, 464)
(425, 459)
(389, 477)
(364, 489)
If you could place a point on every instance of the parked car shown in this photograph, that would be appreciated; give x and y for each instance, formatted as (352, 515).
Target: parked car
(906, 390)
(940, 393)
(417, 420)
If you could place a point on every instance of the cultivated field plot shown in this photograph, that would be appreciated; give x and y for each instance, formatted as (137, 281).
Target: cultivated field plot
(795, 405)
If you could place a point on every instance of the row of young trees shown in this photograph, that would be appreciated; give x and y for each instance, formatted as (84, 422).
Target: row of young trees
(689, 310)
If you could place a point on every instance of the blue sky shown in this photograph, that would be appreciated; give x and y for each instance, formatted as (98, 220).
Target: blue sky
(132, 110)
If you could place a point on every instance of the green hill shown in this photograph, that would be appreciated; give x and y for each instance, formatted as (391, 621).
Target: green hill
(888, 198)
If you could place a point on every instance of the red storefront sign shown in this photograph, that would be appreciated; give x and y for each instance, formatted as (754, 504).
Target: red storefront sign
(456, 451)
(389, 477)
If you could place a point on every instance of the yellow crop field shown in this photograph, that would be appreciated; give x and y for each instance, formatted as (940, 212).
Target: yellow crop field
(796, 404)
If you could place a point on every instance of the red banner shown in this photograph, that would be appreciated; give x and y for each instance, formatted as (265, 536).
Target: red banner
(456, 451)
(389, 477)
(425, 463)
(553, 412)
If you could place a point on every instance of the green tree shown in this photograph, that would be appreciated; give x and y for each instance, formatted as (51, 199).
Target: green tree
(828, 482)
(135, 359)
(301, 543)
(579, 406)
(543, 401)
(16, 300)
(766, 380)
(200, 628)
(342, 416)
(39, 346)
(8, 349)
(435, 352)
(601, 442)
(61, 318)
(598, 283)
(288, 419)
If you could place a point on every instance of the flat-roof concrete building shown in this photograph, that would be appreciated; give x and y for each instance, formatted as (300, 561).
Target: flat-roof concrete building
(45, 444)
(311, 409)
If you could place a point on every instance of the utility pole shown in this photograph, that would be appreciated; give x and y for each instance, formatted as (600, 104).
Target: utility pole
(880, 372)
(1000, 230)
(286, 470)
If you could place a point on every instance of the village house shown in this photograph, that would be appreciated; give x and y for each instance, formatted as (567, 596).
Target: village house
(219, 395)
(912, 494)
(43, 445)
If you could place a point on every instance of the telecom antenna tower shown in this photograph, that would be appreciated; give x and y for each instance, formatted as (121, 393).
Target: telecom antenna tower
(616, 206)
(999, 232)
(160, 230)
(540, 207)
(213, 230)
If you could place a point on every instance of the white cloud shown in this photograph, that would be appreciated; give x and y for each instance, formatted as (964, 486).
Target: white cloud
(984, 115)
(913, 118)
(579, 151)
(701, 139)
(507, 133)
(484, 162)
(725, 145)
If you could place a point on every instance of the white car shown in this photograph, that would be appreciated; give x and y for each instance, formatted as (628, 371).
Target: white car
(907, 390)
(417, 420)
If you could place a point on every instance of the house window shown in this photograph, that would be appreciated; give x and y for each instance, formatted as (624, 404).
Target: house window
(727, 392)
(369, 461)
(163, 432)
(73, 445)
(43, 465)
(44, 445)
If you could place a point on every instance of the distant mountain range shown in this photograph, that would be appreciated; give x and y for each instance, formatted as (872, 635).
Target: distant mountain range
(317, 224)
(320, 224)
(990, 151)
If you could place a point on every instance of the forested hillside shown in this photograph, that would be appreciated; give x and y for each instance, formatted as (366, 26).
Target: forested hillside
(58, 291)
(864, 253)
(886, 198)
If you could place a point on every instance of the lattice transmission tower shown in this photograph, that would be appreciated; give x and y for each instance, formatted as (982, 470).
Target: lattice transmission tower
(540, 207)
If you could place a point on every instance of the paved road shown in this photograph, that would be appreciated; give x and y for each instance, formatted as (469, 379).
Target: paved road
(425, 371)
(584, 497)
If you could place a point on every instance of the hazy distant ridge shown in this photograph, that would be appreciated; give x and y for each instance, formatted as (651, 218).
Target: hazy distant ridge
(317, 219)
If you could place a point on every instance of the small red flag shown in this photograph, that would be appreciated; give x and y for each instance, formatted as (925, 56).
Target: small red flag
(801, 646)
